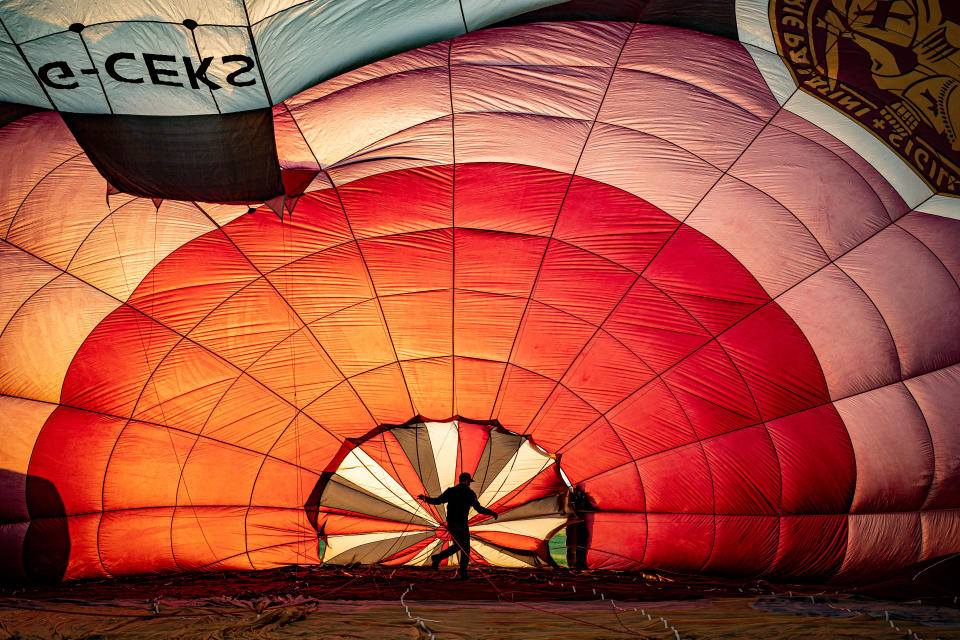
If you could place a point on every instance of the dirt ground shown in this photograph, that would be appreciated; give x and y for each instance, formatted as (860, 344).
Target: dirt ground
(380, 602)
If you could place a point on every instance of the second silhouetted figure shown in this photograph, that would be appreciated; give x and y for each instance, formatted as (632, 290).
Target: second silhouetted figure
(458, 498)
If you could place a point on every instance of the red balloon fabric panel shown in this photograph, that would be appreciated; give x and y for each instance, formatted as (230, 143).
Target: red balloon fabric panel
(733, 333)
(231, 380)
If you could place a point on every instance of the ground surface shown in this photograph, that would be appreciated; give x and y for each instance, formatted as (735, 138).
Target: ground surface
(378, 602)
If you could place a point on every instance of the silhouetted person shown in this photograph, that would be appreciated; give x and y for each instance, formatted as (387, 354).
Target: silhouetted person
(458, 498)
(577, 532)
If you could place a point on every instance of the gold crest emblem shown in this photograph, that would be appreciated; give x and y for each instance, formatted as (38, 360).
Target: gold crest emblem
(891, 65)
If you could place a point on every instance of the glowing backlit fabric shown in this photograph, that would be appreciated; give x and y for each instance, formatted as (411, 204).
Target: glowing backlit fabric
(366, 513)
(731, 330)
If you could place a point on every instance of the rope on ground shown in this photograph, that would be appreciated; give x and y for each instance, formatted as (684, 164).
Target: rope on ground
(420, 623)
(616, 610)
(504, 597)
(910, 633)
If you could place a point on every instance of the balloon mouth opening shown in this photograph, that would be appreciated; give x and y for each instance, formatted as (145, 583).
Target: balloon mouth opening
(371, 509)
(490, 425)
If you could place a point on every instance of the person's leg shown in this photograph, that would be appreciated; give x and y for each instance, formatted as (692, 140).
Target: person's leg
(572, 545)
(461, 542)
(451, 549)
(582, 542)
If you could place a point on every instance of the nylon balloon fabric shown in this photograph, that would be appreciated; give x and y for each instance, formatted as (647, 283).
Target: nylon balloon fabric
(364, 512)
(727, 327)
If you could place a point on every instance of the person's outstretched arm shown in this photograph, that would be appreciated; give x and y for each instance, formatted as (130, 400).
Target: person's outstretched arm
(442, 498)
(482, 509)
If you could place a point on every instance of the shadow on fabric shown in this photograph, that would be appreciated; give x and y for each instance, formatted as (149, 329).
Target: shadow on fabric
(46, 543)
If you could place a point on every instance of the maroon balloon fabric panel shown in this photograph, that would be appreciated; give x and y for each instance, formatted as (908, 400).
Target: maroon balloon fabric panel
(723, 323)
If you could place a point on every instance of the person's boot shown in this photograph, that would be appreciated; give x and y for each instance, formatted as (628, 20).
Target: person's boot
(435, 562)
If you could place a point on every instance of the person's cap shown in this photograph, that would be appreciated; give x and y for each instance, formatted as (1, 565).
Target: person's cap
(464, 477)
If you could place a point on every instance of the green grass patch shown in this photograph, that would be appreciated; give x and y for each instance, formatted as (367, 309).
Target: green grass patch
(558, 548)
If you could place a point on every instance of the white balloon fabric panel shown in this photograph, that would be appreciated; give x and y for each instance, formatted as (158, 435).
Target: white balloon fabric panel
(192, 58)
